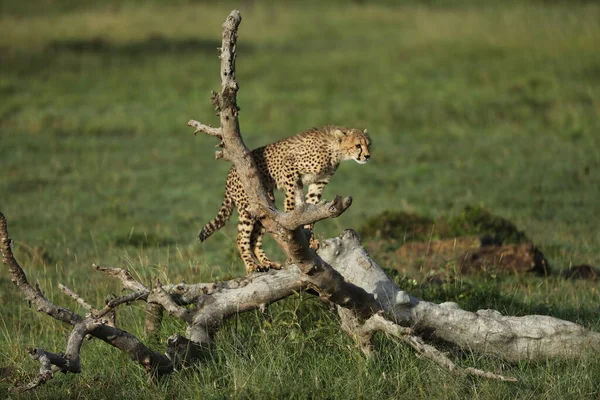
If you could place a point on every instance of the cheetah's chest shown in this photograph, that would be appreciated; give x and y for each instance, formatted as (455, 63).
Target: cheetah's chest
(307, 179)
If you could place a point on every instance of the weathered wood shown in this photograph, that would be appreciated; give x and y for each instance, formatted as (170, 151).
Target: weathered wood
(82, 326)
(532, 337)
(287, 228)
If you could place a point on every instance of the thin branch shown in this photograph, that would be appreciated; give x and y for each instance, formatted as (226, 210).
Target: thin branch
(33, 295)
(306, 213)
(152, 361)
(160, 296)
(76, 297)
(154, 317)
(200, 127)
(47, 370)
(111, 304)
(129, 282)
(442, 360)
(50, 363)
(363, 334)
(488, 375)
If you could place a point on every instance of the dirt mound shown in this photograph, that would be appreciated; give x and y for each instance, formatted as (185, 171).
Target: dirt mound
(472, 221)
(472, 242)
(465, 256)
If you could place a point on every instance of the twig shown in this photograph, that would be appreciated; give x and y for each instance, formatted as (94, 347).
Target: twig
(111, 304)
(76, 297)
(47, 370)
(488, 375)
(306, 213)
(441, 359)
(33, 295)
(160, 296)
(379, 323)
(50, 363)
(200, 127)
(124, 275)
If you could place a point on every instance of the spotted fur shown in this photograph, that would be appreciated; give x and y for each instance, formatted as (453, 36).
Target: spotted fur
(307, 159)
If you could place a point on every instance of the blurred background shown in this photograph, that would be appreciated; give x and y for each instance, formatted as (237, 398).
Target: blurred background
(469, 103)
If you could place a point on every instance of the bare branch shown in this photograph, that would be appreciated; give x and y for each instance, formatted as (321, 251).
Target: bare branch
(184, 352)
(306, 213)
(50, 363)
(111, 304)
(217, 132)
(154, 317)
(442, 360)
(228, 53)
(47, 370)
(124, 275)
(200, 127)
(363, 334)
(141, 295)
(152, 361)
(488, 375)
(75, 297)
(160, 296)
(531, 337)
(33, 295)
(225, 102)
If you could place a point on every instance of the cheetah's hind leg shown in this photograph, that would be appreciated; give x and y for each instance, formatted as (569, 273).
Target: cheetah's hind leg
(258, 231)
(244, 245)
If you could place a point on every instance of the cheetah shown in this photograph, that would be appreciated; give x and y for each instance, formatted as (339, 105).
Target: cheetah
(309, 158)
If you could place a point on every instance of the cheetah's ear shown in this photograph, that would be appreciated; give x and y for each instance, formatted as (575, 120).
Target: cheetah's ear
(339, 134)
(365, 132)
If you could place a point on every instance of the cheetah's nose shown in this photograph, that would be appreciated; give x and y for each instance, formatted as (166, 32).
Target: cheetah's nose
(367, 156)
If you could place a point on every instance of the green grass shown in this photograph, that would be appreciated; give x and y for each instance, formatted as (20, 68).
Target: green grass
(469, 103)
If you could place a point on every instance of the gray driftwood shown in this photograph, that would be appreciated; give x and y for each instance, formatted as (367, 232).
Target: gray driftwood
(531, 337)
(341, 273)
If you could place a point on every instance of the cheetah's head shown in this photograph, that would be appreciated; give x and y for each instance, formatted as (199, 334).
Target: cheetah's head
(354, 144)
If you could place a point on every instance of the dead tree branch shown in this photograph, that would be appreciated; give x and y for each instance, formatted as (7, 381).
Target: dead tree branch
(363, 334)
(531, 337)
(402, 316)
(69, 361)
(287, 228)
(75, 297)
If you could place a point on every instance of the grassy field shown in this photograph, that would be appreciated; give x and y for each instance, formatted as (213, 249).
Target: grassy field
(495, 104)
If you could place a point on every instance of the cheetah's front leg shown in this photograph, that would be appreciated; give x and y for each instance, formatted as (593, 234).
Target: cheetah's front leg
(291, 185)
(313, 196)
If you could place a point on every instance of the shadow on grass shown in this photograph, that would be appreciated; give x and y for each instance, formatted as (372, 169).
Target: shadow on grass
(153, 44)
(473, 295)
(143, 240)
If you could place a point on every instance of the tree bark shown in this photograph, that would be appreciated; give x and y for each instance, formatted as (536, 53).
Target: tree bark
(531, 337)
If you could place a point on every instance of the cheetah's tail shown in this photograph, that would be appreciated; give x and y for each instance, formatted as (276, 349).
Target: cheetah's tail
(217, 223)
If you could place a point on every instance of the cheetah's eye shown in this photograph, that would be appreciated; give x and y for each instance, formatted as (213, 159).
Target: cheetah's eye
(358, 146)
